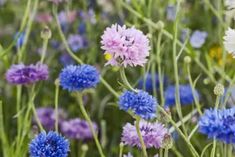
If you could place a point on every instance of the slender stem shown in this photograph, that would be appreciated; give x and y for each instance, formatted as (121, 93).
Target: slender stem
(194, 152)
(3, 137)
(124, 79)
(213, 148)
(137, 125)
(83, 110)
(57, 88)
(63, 37)
(193, 88)
(192, 132)
(109, 87)
(166, 153)
(44, 49)
(121, 149)
(230, 150)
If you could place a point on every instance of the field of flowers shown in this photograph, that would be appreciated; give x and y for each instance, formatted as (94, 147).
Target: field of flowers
(117, 78)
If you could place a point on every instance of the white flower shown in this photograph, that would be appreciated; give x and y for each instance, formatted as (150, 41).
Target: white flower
(229, 41)
(230, 4)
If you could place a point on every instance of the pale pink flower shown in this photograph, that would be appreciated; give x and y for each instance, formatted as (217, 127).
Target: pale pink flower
(127, 46)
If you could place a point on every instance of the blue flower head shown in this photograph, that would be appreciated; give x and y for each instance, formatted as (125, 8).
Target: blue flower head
(198, 38)
(219, 124)
(171, 12)
(141, 103)
(19, 37)
(148, 83)
(49, 145)
(79, 77)
(185, 93)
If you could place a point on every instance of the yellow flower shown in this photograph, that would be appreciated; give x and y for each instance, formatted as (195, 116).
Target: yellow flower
(107, 56)
(216, 53)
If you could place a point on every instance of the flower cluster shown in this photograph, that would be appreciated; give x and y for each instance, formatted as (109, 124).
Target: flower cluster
(23, 74)
(141, 103)
(77, 129)
(49, 145)
(79, 77)
(127, 46)
(185, 93)
(153, 134)
(219, 124)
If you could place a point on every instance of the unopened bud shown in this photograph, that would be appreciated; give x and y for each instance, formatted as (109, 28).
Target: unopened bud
(167, 141)
(160, 25)
(46, 33)
(84, 147)
(219, 90)
(187, 59)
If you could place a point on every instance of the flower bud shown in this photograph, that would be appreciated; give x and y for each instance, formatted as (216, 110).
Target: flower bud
(46, 33)
(160, 25)
(187, 59)
(219, 90)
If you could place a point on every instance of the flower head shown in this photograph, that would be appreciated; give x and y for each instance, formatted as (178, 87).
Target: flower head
(127, 46)
(47, 117)
(66, 59)
(198, 38)
(27, 74)
(49, 145)
(147, 82)
(141, 103)
(19, 37)
(77, 129)
(171, 12)
(230, 4)
(229, 41)
(219, 124)
(77, 42)
(153, 134)
(79, 77)
(43, 17)
(185, 93)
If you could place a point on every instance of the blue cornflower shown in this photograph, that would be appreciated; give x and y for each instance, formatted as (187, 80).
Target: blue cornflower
(20, 37)
(198, 38)
(66, 59)
(79, 77)
(149, 83)
(141, 103)
(171, 12)
(49, 144)
(77, 42)
(219, 124)
(82, 28)
(185, 93)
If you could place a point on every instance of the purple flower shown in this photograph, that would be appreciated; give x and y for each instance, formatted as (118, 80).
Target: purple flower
(66, 59)
(127, 46)
(77, 129)
(77, 42)
(27, 74)
(171, 12)
(153, 134)
(198, 38)
(47, 117)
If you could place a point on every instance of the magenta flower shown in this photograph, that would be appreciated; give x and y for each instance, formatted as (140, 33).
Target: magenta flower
(77, 129)
(127, 46)
(27, 74)
(43, 17)
(153, 134)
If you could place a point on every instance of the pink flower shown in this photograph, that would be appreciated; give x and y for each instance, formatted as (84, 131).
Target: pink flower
(43, 17)
(127, 46)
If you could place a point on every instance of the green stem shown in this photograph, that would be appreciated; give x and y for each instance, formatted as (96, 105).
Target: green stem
(44, 49)
(166, 153)
(137, 125)
(109, 87)
(57, 88)
(194, 152)
(124, 79)
(3, 137)
(121, 149)
(230, 150)
(213, 148)
(83, 110)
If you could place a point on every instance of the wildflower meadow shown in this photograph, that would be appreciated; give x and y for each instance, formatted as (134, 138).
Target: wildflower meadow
(117, 78)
